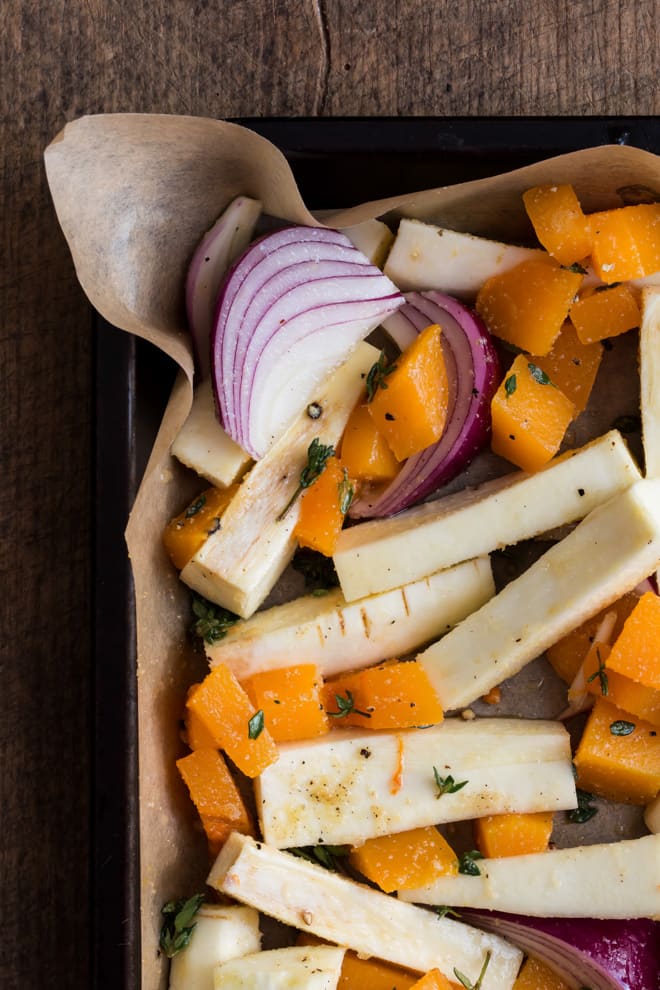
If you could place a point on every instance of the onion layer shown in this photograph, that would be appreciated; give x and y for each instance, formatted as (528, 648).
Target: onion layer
(290, 311)
(473, 372)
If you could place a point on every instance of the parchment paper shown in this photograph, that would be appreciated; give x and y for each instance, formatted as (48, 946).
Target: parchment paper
(134, 194)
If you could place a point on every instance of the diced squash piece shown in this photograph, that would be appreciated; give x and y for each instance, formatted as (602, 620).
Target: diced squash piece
(530, 416)
(290, 699)
(215, 795)
(537, 975)
(406, 860)
(559, 222)
(572, 366)
(389, 696)
(636, 652)
(567, 655)
(227, 713)
(197, 735)
(625, 693)
(528, 305)
(616, 762)
(364, 451)
(322, 509)
(409, 406)
(626, 242)
(358, 974)
(187, 532)
(605, 313)
(513, 835)
(434, 980)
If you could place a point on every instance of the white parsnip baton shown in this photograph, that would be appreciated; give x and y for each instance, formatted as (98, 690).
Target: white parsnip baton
(609, 880)
(350, 786)
(238, 565)
(221, 933)
(385, 553)
(315, 900)
(606, 555)
(337, 636)
(309, 967)
(203, 445)
(649, 374)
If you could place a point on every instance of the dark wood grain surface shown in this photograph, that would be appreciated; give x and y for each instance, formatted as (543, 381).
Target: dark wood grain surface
(60, 60)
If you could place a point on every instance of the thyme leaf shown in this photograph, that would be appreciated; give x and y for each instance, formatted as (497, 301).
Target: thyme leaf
(256, 725)
(318, 455)
(377, 375)
(584, 811)
(346, 706)
(538, 374)
(510, 385)
(447, 785)
(178, 925)
(212, 621)
(464, 980)
(467, 864)
(326, 856)
(346, 493)
(601, 674)
(622, 728)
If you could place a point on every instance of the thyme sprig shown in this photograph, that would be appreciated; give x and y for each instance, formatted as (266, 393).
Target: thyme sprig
(318, 455)
(346, 706)
(211, 621)
(178, 925)
(377, 374)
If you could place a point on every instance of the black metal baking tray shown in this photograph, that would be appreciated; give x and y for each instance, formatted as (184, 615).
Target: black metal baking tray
(338, 162)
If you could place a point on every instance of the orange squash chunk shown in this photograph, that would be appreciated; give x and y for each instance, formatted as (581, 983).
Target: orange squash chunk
(513, 835)
(618, 767)
(322, 509)
(605, 313)
(395, 695)
(215, 795)
(567, 655)
(434, 980)
(364, 451)
(572, 366)
(410, 407)
(374, 974)
(187, 532)
(626, 242)
(290, 699)
(636, 652)
(405, 861)
(197, 735)
(528, 304)
(559, 223)
(529, 416)
(537, 975)
(227, 713)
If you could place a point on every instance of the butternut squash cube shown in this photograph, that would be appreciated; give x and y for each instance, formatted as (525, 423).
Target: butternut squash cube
(626, 242)
(187, 532)
(197, 735)
(395, 695)
(567, 655)
(215, 795)
(358, 974)
(559, 222)
(322, 509)
(514, 834)
(572, 366)
(409, 406)
(290, 699)
(528, 304)
(615, 761)
(537, 975)
(529, 416)
(434, 980)
(605, 313)
(636, 652)
(364, 451)
(406, 860)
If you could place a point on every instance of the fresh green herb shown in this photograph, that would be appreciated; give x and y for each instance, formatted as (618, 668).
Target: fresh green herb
(446, 785)
(317, 457)
(327, 856)
(584, 811)
(178, 925)
(346, 706)
(575, 267)
(538, 374)
(627, 424)
(622, 728)
(317, 569)
(195, 507)
(601, 674)
(510, 385)
(443, 911)
(346, 493)
(256, 725)
(377, 375)
(212, 621)
(463, 979)
(467, 864)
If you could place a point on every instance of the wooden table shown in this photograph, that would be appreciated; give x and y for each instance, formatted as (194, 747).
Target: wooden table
(324, 57)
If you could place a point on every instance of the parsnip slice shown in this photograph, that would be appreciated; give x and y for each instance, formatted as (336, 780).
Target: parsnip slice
(350, 786)
(308, 967)
(606, 555)
(373, 238)
(221, 933)
(610, 880)
(427, 257)
(203, 445)
(337, 636)
(649, 374)
(385, 553)
(315, 900)
(239, 564)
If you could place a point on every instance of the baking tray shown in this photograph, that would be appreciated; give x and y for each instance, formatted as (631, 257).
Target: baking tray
(338, 162)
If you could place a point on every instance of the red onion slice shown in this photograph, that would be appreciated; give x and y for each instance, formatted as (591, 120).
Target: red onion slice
(469, 349)
(290, 311)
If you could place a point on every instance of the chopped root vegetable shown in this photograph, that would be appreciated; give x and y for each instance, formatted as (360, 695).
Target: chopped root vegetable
(626, 242)
(364, 451)
(434, 980)
(559, 222)
(572, 366)
(290, 699)
(188, 532)
(568, 654)
(537, 975)
(410, 402)
(390, 696)
(619, 756)
(227, 713)
(530, 416)
(197, 735)
(605, 313)
(358, 973)
(513, 835)
(215, 795)
(528, 305)
(322, 508)
(409, 859)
